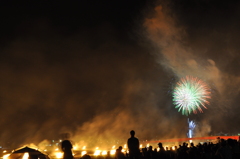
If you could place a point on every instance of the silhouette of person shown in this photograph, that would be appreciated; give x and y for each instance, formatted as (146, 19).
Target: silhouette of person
(119, 153)
(161, 152)
(150, 153)
(133, 146)
(108, 156)
(66, 147)
(86, 156)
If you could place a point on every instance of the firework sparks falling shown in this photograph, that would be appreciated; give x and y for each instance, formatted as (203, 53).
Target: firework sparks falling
(190, 95)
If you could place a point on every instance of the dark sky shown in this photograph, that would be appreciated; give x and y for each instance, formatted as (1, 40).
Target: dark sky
(98, 69)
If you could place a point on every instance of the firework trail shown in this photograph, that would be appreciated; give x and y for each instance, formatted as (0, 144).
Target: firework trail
(190, 94)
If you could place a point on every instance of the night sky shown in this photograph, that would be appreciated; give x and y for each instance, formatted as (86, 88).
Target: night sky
(98, 69)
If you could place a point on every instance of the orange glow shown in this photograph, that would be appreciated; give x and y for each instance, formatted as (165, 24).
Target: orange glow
(112, 152)
(83, 153)
(59, 154)
(97, 152)
(104, 152)
(196, 138)
(75, 147)
(6, 156)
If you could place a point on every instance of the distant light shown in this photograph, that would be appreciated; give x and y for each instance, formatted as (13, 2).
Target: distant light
(97, 152)
(6, 156)
(104, 152)
(56, 149)
(4, 151)
(74, 147)
(83, 153)
(84, 147)
(112, 152)
(59, 154)
(25, 156)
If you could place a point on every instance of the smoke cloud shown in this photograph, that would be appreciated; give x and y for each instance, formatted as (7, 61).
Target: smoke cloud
(202, 50)
(100, 76)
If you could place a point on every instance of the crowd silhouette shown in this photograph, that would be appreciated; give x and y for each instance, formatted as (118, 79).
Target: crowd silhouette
(223, 149)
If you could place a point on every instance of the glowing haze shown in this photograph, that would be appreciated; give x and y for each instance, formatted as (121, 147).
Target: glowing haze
(97, 73)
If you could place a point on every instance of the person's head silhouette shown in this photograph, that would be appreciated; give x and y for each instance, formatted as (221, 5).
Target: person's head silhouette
(150, 148)
(160, 144)
(132, 133)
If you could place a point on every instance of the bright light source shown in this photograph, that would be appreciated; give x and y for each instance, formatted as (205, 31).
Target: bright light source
(97, 152)
(104, 152)
(112, 152)
(83, 153)
(75, 147)
(6, 156)
(59, 154)
(25, 156)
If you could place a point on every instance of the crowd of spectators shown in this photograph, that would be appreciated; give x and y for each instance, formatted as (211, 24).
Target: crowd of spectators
(222, 149)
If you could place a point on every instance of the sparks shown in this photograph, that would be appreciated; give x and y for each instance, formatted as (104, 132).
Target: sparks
(190, 95)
